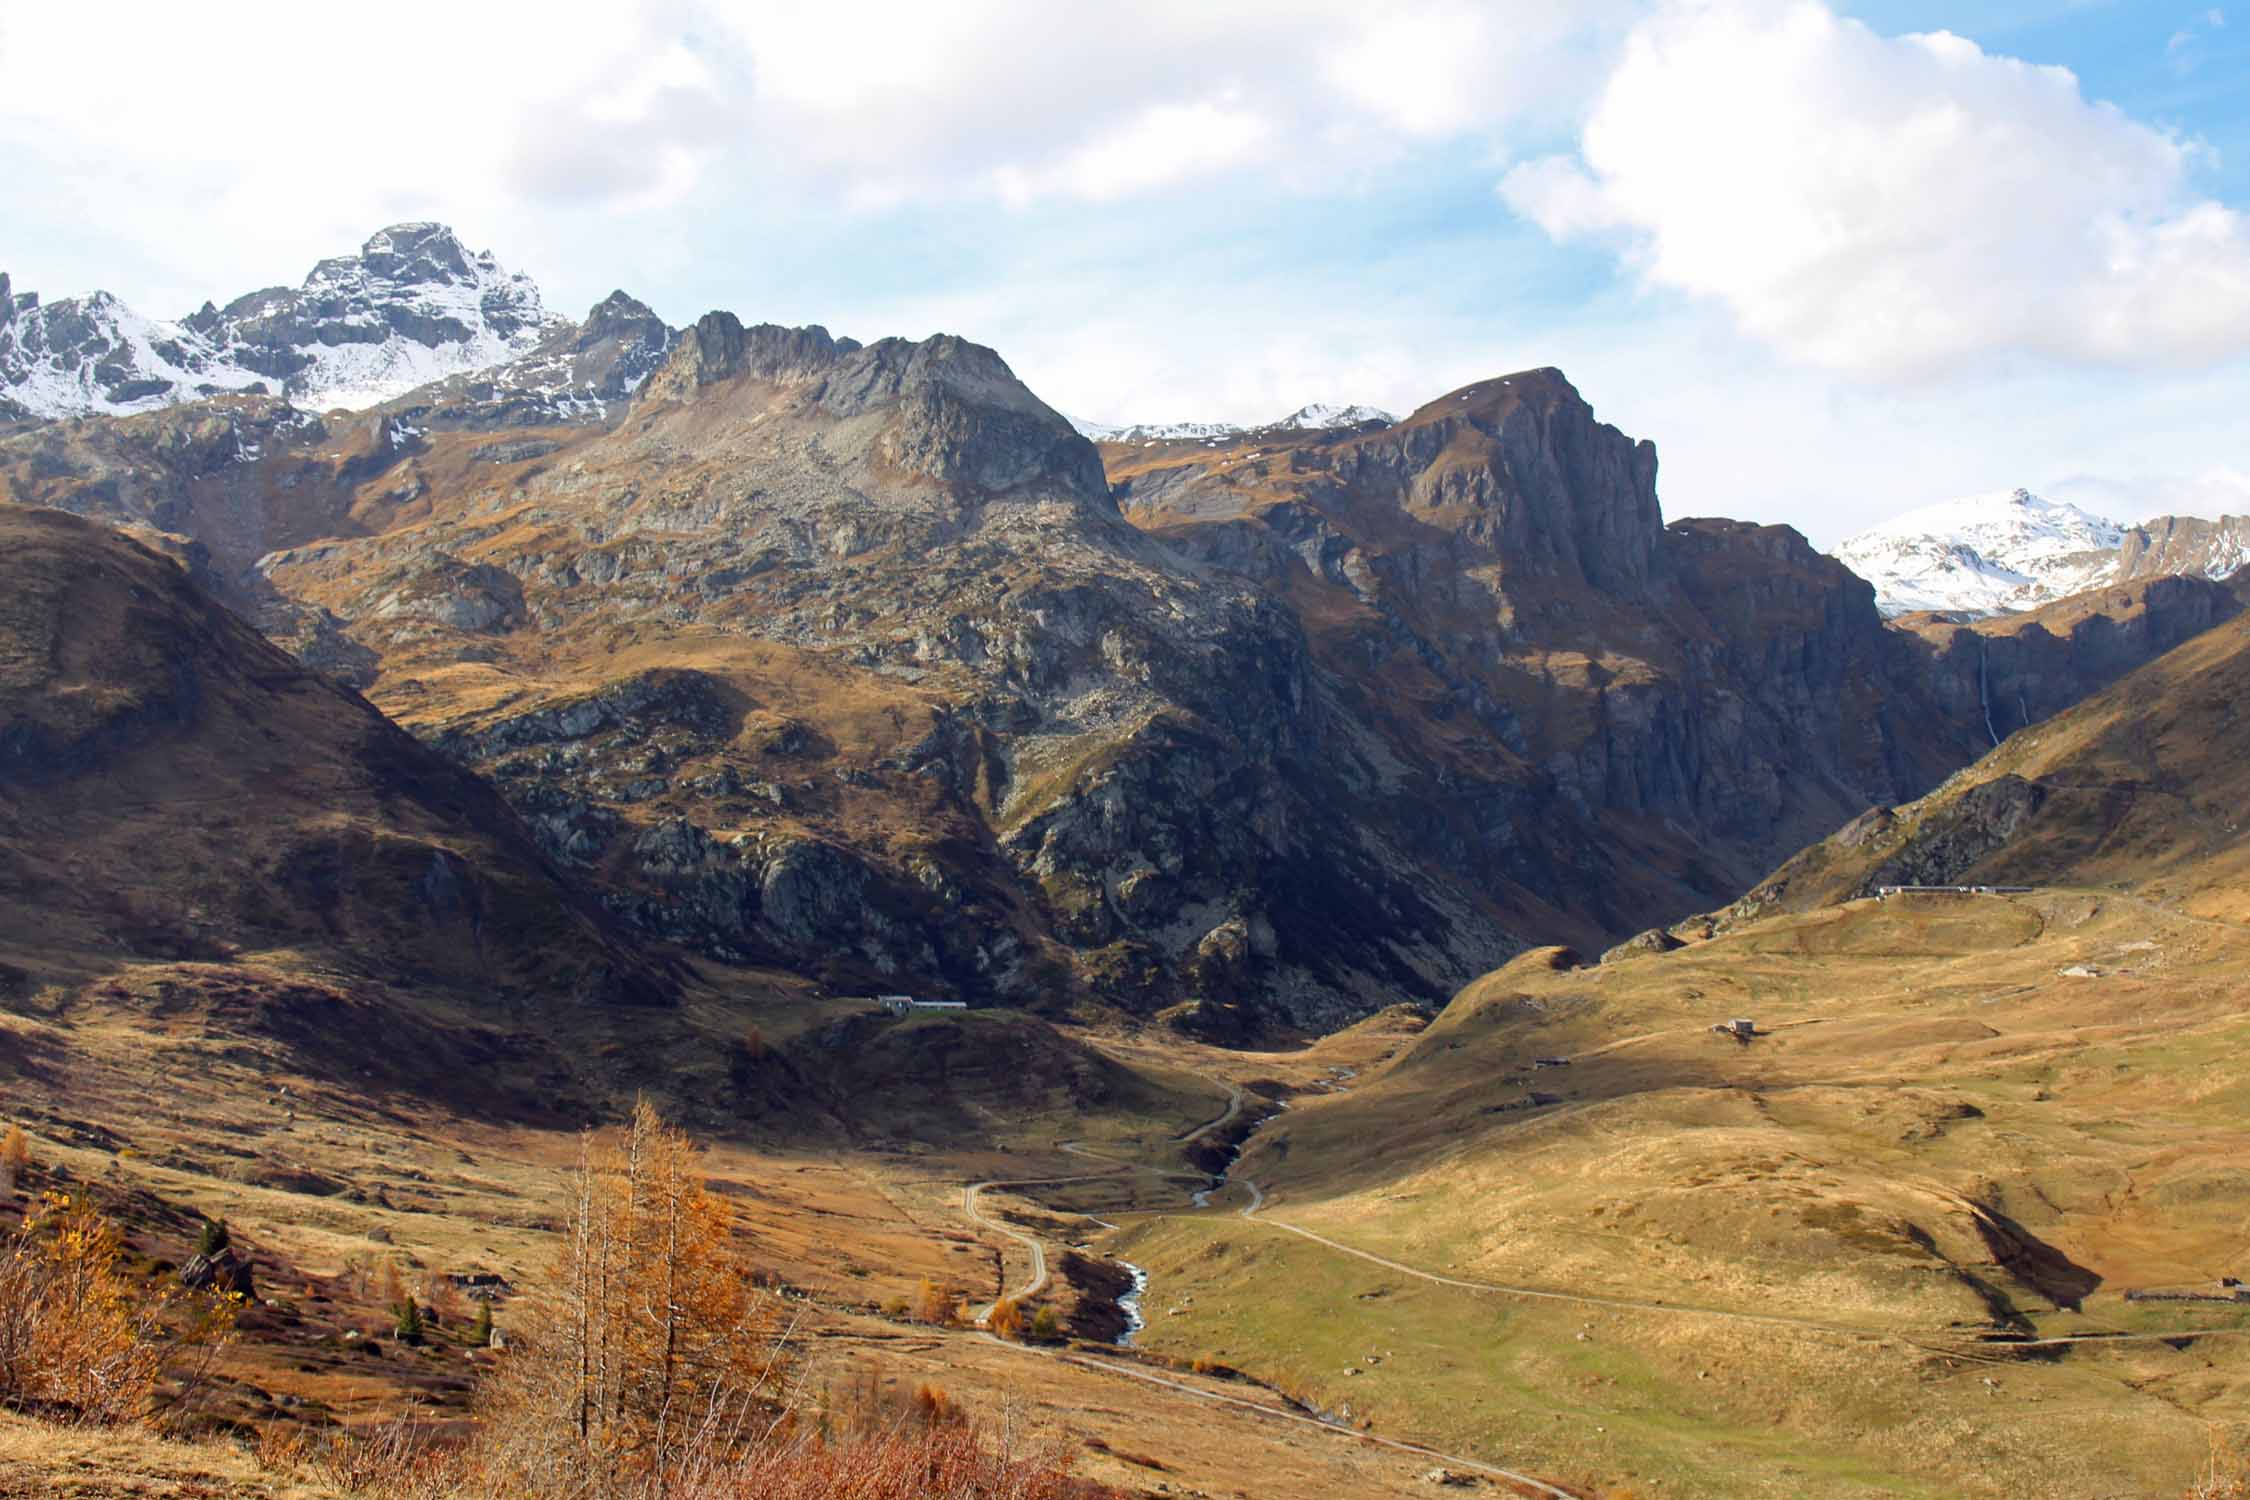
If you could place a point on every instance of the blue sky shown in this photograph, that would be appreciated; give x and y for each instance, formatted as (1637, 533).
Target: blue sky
(1833, 271)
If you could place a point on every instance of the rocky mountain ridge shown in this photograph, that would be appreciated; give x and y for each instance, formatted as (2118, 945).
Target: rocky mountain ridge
(2010, 551)
(413, 306)
(859, 659)
(1319, 416)
(1720, 687)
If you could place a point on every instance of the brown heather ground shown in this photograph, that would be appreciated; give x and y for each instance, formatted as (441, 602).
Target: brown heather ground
(1789, 1231)
(179, 1116)
(1792, 1224)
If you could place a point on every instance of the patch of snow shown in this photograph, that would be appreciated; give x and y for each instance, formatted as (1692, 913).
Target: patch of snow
(1320, 417)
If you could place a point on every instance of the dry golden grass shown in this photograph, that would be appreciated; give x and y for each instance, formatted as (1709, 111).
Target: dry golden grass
(327, 1180)
(1926, 1079)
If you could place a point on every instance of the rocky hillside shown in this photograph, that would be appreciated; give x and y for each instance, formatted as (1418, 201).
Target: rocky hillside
(2002, 553)
(862, 661)
(173, 788)
(2140, 785)
(415, 305)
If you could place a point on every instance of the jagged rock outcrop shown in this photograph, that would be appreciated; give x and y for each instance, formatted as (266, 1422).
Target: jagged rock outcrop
(1642, 945)
(2194, 545)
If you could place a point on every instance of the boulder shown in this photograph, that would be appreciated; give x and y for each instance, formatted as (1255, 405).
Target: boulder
(220, 1271)
(1655, 940)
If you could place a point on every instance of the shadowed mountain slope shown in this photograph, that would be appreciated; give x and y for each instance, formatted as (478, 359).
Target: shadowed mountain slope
(174, 787)
(1494, 569)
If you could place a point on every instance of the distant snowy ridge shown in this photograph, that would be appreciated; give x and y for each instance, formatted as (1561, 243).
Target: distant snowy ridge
(1318, 417)
(412, 307)
(1999, 553)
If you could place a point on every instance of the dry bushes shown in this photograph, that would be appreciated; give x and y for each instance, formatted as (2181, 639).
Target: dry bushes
(934, 1304)
(79, 1335)
(2225, 1474)
(386, 1461)
(15, 1158)
(946, 1461)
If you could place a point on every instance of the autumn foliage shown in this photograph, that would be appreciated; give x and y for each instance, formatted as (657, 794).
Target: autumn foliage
(79, 1333)
(2225, 1474)
(933, 1304)
(651, 1349)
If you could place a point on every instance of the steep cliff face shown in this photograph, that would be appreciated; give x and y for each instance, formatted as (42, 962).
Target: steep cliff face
(2003, 674)
(2194, 545)
(1710, 694)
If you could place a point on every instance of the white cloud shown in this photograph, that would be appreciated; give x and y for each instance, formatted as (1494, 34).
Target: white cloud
(567, 129)
(2185, 48)
(1023, 99)
(1895, 207)
(1161, 145)
(2213, 492)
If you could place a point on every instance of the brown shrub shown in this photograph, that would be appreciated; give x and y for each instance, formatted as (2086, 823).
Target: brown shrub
(79, 1332)
(396, 1460)
(15, 1158)
(933, 1304)
(934, 1408)
(2225, 1474)
(1006, 1320)
(392, 1285)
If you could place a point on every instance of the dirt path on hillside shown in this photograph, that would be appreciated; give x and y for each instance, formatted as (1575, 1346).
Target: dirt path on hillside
(1225, 1116)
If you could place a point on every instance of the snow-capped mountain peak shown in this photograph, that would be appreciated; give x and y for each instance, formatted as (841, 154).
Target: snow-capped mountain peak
(413, 306)
(1984, 554)
(1317, 417)
(1322, 417)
